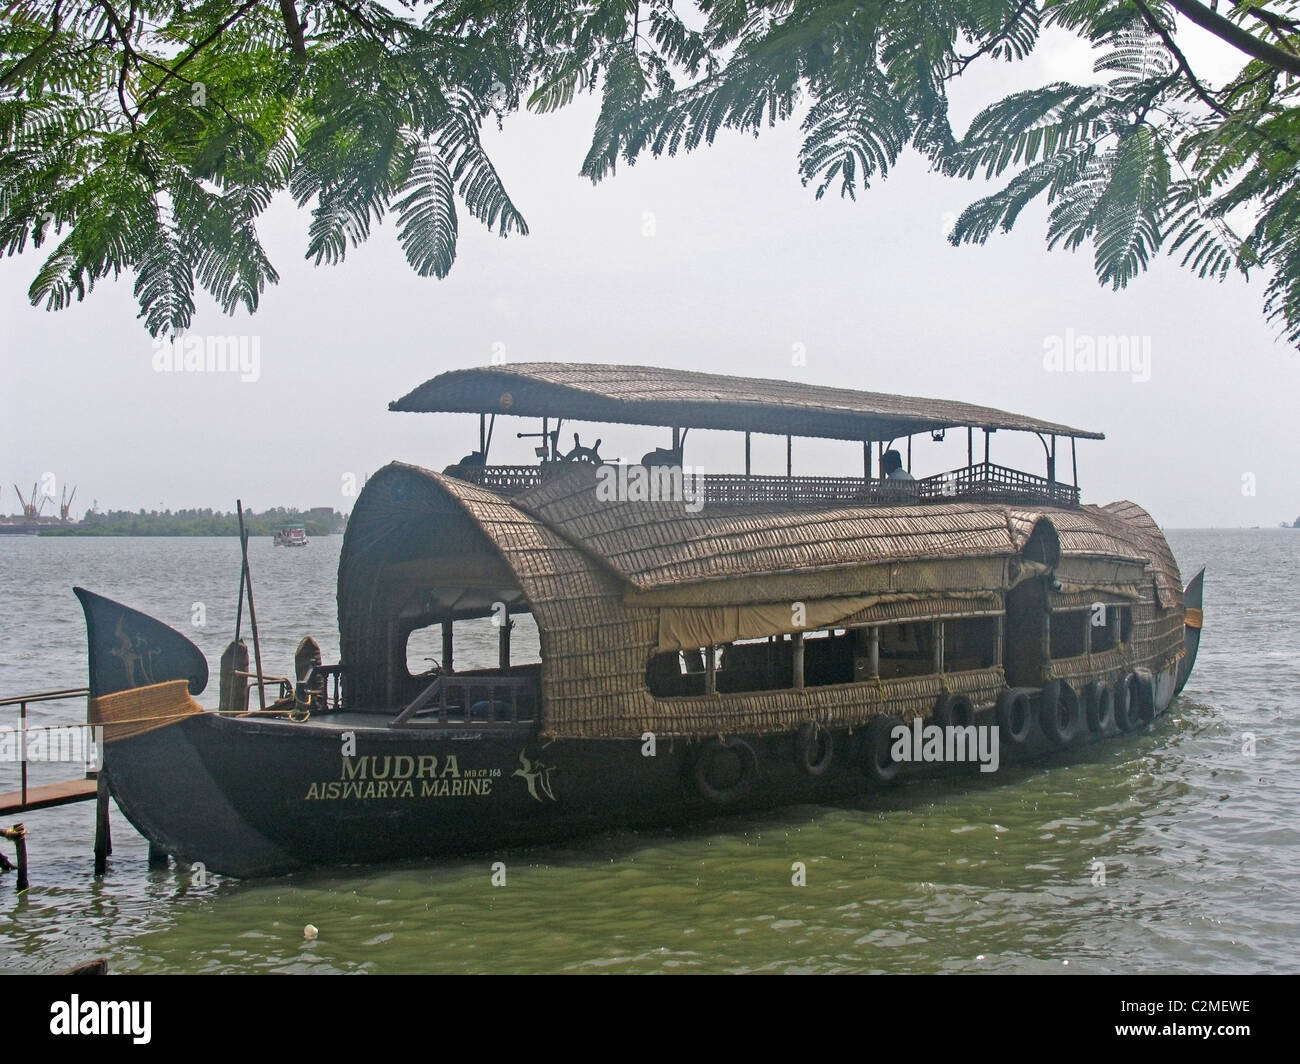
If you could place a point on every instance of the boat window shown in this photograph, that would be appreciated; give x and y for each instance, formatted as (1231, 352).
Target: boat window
(906, 649)
(476, 646)
(756, 665)
(763, 664)
(676, 673)
(1110, 625)
(970, 643)
(831, 656)
(1069, 632)
(828, 658)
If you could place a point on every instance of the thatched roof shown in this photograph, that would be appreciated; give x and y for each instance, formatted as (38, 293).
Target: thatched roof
(654, 546)
(644, 395)
(599, 577)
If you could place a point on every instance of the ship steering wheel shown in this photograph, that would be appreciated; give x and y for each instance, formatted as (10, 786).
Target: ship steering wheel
(584, 454)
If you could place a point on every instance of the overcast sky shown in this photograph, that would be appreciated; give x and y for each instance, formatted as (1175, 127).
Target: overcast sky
(718, 261)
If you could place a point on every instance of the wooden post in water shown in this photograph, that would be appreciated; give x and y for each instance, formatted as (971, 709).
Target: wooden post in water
(252, 610)
(18, 836)
(103, 842)
(234, 690)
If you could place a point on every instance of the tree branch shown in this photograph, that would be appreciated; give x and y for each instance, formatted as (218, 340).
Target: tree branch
(966, 60)
(174, 70)
(1233, 34)
(289, 12)
(1180, 59)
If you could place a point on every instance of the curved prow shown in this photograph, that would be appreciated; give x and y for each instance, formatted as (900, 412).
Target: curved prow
(1192, 599)
(129, 649)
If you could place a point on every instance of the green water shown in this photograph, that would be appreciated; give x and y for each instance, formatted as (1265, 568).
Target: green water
(1199, 846)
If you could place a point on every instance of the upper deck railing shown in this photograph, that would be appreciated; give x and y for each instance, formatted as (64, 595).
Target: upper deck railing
(982, 482)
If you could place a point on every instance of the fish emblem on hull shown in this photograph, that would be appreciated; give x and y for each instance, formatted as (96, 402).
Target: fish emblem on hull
(538, 777)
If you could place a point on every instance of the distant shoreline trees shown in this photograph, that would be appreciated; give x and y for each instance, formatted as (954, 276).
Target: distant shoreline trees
(320, 521)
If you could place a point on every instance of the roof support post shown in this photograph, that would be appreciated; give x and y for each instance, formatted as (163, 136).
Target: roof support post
(998, 637)
(866, 459)
(1051, 462)
(710, 670)
(503, 644)
(938, 647)
(747, 454)
(789, 456)
(446, 646)
(1045, 634)
(909, 452)
(1074, 461)
(873, 650)
(970, 446)
(482, 435)
(986, 446)
(797, 648)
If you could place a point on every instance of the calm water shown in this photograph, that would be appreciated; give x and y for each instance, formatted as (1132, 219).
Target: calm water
(1199, 842)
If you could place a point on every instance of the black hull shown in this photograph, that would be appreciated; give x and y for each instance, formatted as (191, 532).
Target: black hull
(253, 797)
(1193, 597)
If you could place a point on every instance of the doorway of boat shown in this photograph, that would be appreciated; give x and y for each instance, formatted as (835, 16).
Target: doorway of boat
(435, 626)
(1023, 650)
(1028, 616)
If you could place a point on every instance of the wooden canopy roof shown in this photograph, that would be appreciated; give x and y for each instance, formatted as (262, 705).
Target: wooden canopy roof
(644, 395)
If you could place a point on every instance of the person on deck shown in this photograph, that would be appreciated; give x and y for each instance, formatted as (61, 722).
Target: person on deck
(891, 464)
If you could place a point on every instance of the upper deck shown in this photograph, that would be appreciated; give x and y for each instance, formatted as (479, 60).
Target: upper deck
(982, 482)
(682, 400)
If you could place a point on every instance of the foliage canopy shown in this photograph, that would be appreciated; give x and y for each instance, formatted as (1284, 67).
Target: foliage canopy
(149, 136)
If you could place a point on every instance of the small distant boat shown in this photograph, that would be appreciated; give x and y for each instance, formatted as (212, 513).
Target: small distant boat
(292, 536)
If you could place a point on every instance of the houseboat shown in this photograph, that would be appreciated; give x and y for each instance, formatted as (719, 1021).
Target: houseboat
(292, 536)
(708, 642)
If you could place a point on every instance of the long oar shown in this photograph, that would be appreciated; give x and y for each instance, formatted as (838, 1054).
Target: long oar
(246, 580)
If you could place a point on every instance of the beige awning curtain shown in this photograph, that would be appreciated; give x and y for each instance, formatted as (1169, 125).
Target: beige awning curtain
(691, 627)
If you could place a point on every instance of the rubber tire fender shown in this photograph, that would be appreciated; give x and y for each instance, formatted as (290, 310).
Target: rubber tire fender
(1142, 693)
(810, 741)
(1015, 715)
(708, 757)
(1099, 707)
(1058, 713)
(1125, 721)
(876, 743)
(953, 710)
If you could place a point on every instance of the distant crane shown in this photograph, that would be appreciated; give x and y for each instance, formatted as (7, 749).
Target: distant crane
(32, 508)
(65, 503)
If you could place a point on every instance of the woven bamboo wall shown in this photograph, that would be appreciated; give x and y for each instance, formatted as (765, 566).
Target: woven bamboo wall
(578, 575)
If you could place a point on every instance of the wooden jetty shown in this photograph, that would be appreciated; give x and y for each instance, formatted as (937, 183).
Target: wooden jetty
(28, 798)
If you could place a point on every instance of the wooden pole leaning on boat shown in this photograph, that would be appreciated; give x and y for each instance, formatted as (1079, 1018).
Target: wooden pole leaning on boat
(246, 581)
